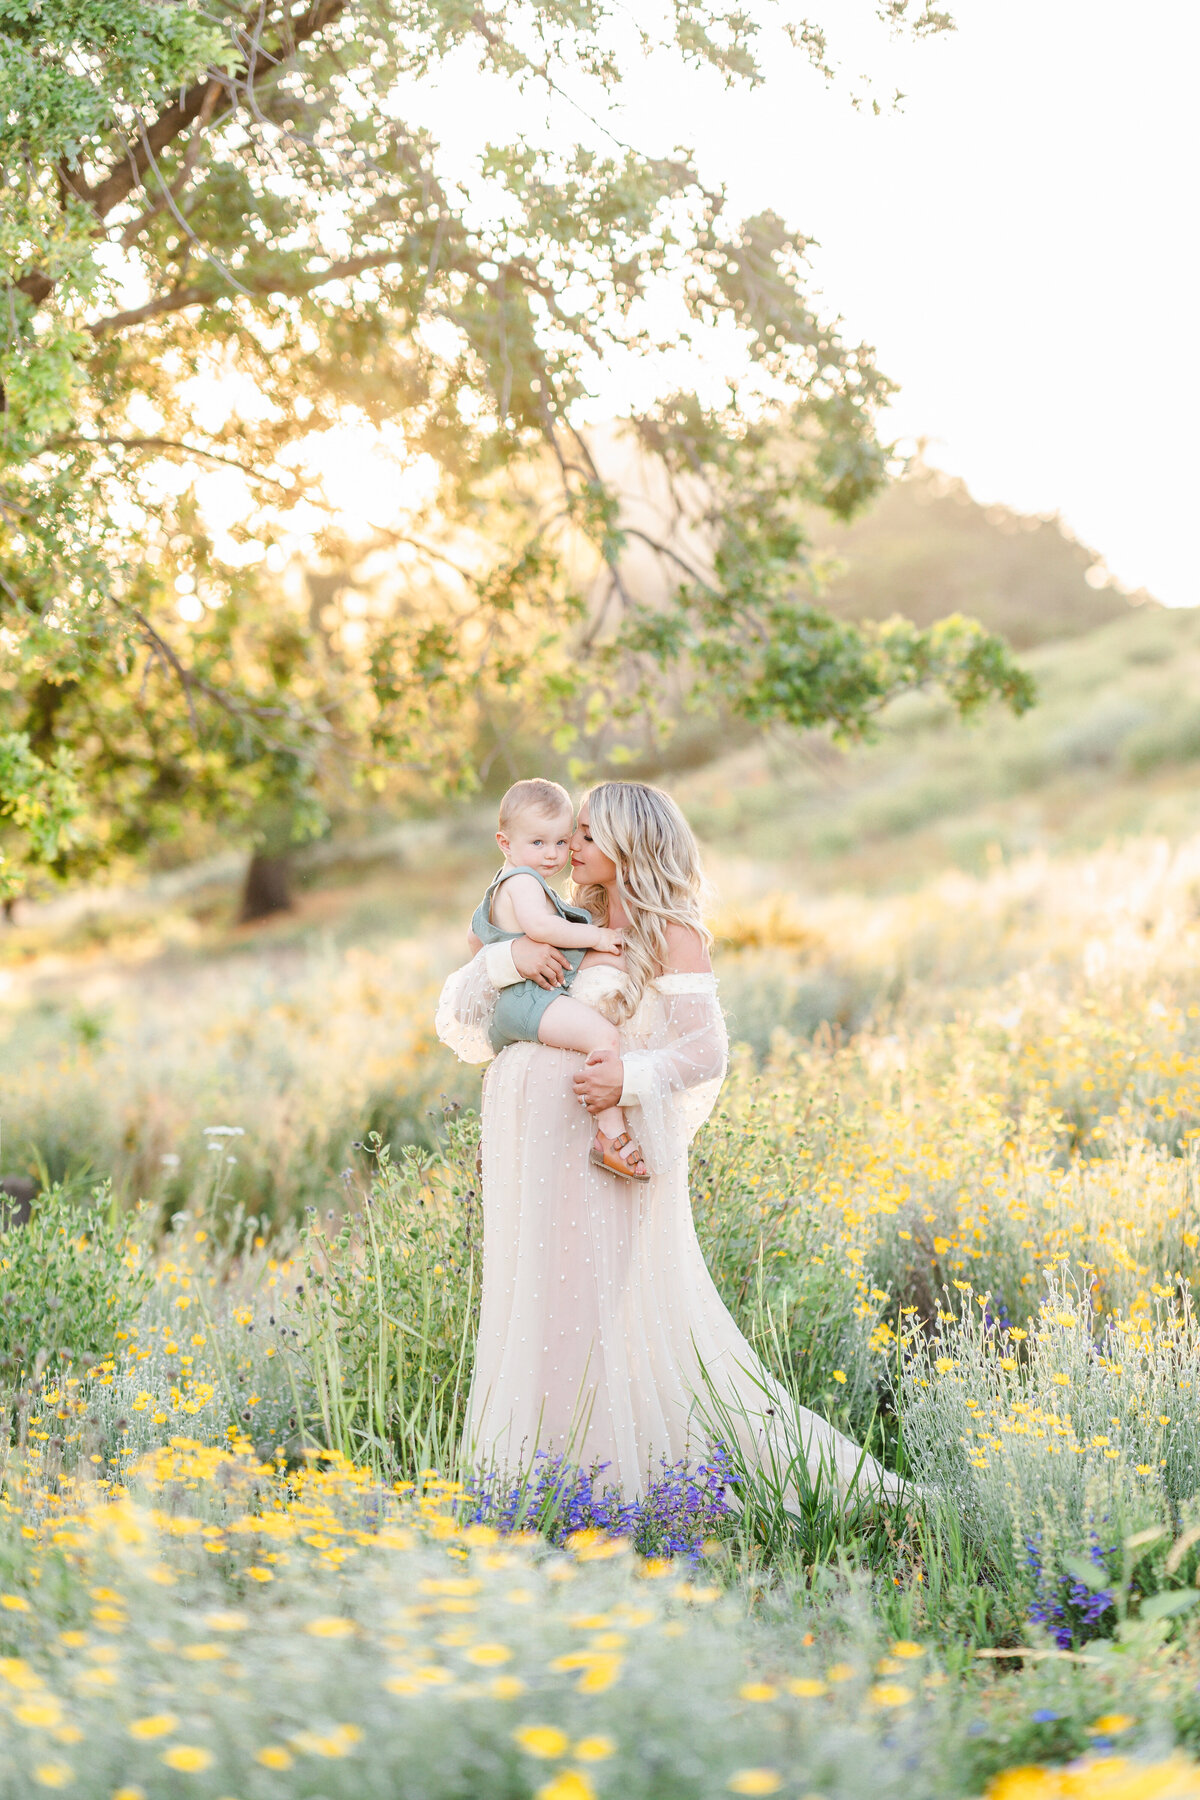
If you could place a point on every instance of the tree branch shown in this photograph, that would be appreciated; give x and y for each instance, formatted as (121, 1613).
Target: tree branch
(130, 168)
(196, 107)
(662, 549)
(167, 193)
(189, 680)
(163, 443)
(179, 298)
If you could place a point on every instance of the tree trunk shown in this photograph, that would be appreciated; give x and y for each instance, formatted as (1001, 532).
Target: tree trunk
(10, 909)
(268, 886)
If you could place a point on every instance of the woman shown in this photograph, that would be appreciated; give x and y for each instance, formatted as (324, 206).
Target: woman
(601, 1334)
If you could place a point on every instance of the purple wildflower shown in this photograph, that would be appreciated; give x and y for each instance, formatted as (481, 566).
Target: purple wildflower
(1069, 1609)
(684, 1504)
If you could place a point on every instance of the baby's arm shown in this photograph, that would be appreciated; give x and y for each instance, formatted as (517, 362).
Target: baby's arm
(538, 920)
(474, 944)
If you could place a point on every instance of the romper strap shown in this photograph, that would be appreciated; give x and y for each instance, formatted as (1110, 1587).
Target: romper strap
(507, 874)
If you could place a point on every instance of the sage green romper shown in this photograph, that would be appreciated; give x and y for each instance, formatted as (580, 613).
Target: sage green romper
(520, 1006)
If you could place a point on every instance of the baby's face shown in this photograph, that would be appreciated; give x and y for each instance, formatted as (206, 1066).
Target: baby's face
(539, 841)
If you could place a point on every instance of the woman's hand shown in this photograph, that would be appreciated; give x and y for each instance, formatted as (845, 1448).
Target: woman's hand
(600, 1081)
(539, 962)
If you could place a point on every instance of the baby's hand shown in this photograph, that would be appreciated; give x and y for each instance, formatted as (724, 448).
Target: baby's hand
(609, 943)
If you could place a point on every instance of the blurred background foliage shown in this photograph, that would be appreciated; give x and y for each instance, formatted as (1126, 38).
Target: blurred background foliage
(312, 1028)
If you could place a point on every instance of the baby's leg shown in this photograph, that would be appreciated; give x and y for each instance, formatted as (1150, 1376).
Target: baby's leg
(568, 1024)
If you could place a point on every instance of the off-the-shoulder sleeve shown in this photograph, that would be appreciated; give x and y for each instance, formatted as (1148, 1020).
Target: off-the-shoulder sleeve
(676, 1086)
(468, 1000)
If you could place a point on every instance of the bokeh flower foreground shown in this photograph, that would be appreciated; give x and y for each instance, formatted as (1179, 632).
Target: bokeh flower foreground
(216, 1625)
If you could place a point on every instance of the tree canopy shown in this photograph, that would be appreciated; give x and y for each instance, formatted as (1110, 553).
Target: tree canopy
(222, 237)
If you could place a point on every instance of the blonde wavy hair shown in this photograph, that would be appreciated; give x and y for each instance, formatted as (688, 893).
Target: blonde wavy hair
(659, 879)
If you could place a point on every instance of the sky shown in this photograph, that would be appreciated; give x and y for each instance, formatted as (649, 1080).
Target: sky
(1017, 241)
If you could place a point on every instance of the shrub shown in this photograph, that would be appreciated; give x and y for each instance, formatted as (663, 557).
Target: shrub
(1172, 737)
(70, 1281)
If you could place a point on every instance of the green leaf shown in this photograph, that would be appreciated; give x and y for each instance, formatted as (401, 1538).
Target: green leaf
(1168, 1605)
(1086, 1571)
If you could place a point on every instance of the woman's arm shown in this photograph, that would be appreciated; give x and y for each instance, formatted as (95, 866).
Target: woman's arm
(520, 959)
(602, 1082)
(674, 1085)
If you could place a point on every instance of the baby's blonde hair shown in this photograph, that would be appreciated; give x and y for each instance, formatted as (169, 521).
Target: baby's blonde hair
(544, 797)
(659, 878)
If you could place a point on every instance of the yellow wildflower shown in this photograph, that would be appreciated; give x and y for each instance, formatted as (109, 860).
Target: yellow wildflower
(890, 1693)
(569, 1784)
(594, 1749)
(38, 1712)
(542, 1740)
(154, 1725)
(329, 1628)
(190, 1759)
(338, 1742)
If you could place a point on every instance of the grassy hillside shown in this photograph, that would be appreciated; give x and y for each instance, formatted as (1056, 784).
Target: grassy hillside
(1111, 749)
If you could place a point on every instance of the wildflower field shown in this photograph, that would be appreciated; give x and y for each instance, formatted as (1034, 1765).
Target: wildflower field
(950, 1194)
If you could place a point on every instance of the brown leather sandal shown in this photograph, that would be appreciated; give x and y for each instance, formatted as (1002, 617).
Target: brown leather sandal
(614, 1162)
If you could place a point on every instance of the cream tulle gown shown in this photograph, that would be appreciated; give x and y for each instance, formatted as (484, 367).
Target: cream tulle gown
(601, 1333)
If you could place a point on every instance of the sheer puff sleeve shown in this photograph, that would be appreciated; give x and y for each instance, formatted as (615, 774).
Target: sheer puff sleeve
(676, 1085)
(468, 1000)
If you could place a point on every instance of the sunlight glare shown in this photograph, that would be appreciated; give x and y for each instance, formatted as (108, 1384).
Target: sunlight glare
(368, 478)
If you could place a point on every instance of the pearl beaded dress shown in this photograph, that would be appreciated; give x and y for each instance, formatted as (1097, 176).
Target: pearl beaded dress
(601, 1333)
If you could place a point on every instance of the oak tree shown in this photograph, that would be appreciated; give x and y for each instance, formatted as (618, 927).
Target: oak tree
(225, 231)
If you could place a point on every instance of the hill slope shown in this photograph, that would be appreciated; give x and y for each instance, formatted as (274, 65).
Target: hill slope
(927, 548)
(1112, 749)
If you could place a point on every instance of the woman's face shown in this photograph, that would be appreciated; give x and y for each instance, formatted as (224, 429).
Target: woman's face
(589, 865)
